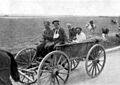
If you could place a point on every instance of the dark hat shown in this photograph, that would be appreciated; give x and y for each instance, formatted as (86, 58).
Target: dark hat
(78, 28)
(55, 21)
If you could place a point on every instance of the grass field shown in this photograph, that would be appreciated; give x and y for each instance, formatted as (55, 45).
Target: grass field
(17, 32)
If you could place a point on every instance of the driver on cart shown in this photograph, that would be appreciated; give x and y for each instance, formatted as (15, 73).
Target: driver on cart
(51, 38)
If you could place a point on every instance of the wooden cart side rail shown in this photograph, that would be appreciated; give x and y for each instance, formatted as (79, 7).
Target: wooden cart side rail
(96, 40)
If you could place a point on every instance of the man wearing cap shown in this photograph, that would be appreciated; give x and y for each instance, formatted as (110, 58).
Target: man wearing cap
(59, 35)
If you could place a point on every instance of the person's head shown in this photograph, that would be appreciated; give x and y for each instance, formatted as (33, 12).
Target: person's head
(68, 25)
(78, 30)
(91, 22)
(46, 24)
(56, 23)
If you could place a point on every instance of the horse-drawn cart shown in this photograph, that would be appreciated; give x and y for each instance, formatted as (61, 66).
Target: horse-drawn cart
(55, 67)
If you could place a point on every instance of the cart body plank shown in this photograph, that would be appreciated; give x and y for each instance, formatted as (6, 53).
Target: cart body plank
(77, 49)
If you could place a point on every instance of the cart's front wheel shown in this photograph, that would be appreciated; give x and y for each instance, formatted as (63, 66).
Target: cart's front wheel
(95, 60)
(52, 69)
(27, 65)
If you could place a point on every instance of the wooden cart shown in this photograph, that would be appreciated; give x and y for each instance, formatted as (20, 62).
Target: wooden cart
(55, 67)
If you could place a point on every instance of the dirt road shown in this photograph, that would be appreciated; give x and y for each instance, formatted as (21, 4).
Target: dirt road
(109, 76)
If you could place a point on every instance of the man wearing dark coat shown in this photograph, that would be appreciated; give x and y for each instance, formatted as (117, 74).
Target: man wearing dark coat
(51, 38)
(59, 35)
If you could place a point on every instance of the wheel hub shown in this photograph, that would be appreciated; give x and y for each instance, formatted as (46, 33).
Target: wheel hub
(55, 72)
(95, 62)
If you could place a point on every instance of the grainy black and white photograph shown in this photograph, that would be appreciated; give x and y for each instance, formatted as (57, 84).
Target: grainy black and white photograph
(59, 42)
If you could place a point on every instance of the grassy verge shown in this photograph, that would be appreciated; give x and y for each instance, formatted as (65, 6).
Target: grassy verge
(111, 41)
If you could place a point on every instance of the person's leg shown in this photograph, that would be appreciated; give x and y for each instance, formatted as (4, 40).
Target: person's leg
(40, 50)
(50, 48)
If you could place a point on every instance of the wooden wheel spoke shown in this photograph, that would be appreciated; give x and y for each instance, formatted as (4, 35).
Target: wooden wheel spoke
(33, 56)
(23, 59)
(24, 63)
(100, 64)
(33, 77)
(74, 63)
(63, 62)
(101, 60)
(24, 66)
(57, 80)
(63, 73)
(61, 68)
(59, 59)
(98, 68)
(61, 78)
(90, 69)
(26, 76)
(23, 78)
(93, 70)
(89, 64)
(53, 81)
(46, 71)
(77, 60)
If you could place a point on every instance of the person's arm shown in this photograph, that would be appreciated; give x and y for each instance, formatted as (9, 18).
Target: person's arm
(49, 36)
(62, 37)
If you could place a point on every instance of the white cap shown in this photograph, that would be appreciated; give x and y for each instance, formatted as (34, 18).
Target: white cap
(68, 24)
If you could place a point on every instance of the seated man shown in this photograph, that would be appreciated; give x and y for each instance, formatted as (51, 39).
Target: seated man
(51, 38)
(59, 35)
(80, 36)
(47, 38)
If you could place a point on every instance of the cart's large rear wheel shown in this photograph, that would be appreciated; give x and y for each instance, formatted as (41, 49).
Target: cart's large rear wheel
(95, 60)
(27, 65)
(52, 69)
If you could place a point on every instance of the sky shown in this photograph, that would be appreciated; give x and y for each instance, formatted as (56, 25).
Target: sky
(60, 7)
